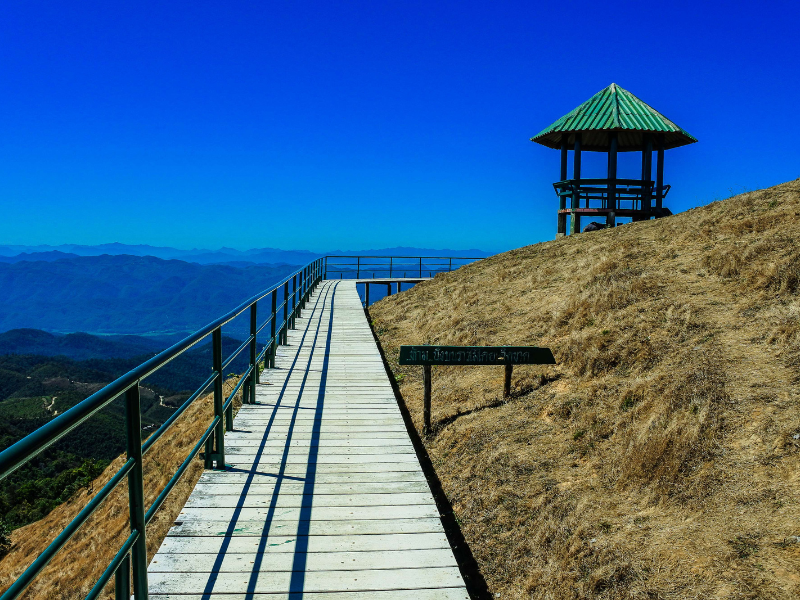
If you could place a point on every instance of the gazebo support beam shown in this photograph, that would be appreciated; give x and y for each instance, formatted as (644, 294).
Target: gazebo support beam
(575, 221)
(612, 180)
(647, 174)
(562, 203)
(660, 174)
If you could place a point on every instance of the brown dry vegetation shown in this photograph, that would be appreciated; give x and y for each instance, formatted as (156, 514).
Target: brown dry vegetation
(76, 568)
(660, 458)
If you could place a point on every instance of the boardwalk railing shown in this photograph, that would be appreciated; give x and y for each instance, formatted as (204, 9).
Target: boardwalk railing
(132, 556)
(293, 292)
(391, 267)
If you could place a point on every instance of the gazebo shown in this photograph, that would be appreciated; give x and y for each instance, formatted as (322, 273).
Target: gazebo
(612, 121)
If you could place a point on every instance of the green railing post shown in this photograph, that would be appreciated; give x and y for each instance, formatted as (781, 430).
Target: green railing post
(301, 291)
(133, 423)
(122, 580)
(272, 327)
(285, 329)
(219, 434)
(253, 354)
(306, 274)
(294, 300)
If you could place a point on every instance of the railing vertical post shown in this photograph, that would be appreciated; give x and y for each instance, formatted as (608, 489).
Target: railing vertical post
(325, 269)
(294, 299)
(122, 580)
(285, 329)
(304, 288)
(253, 354)
(450, 268)
(219, 434)
(133, 422)
(391, 261)
(272, 326)
(358, 267)
(420, 267)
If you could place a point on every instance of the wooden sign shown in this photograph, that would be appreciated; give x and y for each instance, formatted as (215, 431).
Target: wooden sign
(475, 355)
(470, 355)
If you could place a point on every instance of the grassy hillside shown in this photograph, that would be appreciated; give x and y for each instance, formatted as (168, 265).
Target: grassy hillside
(661, 457)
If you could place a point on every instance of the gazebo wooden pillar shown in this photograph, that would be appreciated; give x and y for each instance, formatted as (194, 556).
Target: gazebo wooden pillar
(612, 121)
(660, 173)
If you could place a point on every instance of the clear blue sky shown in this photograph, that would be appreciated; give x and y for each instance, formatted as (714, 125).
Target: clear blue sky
(355, 125)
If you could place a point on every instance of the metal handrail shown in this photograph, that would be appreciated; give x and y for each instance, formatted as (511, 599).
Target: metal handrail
(131, 557)
(132, 554)
(357, 265)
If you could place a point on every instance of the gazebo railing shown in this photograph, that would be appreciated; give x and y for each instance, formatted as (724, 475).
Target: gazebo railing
(629, 194)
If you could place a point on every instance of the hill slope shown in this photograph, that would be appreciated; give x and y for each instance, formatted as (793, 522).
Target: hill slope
(661, 457)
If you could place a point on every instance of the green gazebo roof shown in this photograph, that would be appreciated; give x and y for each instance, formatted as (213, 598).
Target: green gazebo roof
(609, 110)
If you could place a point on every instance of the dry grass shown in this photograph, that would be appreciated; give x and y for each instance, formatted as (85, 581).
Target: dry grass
(660, 458)
(83, 559)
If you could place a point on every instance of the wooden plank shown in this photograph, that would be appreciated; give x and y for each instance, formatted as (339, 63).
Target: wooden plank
(295, 449)
(417, 594)
(289, 487)
(383, 476)
(255, 500)
(274, 562)
(280, 527)
(304, 458)
(327, 444)
(318, 513)
(313, 543)
(300, 469)
(312, 581)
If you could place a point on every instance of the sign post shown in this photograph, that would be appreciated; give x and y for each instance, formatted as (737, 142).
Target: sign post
(470, 355)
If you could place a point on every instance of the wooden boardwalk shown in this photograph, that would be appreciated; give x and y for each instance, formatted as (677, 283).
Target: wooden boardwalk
(326, 498)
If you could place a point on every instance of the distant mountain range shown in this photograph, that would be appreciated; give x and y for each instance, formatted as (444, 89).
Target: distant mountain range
(125, 294)
(223, 256)
(116, 289)
(79, 346)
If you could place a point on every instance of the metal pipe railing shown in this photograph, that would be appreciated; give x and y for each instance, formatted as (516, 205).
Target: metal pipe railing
(129, 565)
(131, 558)
(372, 267)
